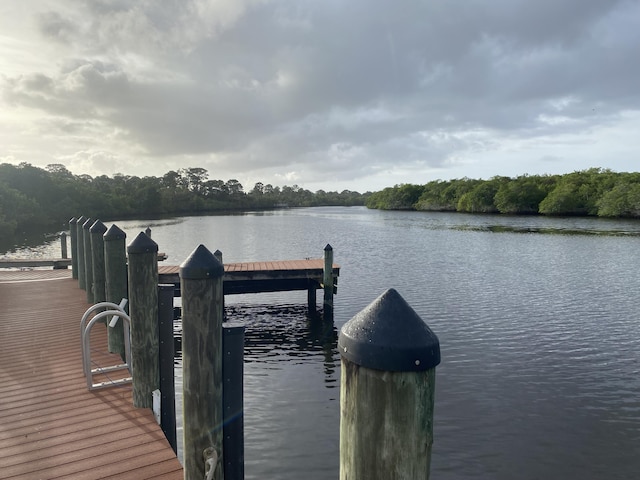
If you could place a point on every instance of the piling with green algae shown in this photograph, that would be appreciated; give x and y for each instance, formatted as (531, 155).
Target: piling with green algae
(387, 390)
(115, 269)
(96, 232)
(143, 310)
(88, 259)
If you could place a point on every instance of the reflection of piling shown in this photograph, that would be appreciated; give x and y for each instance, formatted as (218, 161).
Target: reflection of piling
(143, 310)
(73, 233)
(115, 268)
(389, 357)
(201, 284)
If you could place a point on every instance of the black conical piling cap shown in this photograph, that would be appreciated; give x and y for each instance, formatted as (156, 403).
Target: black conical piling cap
(114, 233)
(201, 264)
(98, 227)
(389, 335)
(87, 224)
(73, 221)
(142, 244)
(81, 220)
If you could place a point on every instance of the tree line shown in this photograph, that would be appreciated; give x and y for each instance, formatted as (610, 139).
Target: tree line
(33, 198)
(593, 192)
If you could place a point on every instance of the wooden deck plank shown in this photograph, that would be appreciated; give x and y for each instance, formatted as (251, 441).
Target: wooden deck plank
(51, 426)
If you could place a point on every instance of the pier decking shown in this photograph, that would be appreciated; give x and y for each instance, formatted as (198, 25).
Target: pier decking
(51, 426)
(272, 276)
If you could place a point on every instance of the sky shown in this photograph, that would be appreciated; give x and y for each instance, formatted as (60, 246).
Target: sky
(333, 95)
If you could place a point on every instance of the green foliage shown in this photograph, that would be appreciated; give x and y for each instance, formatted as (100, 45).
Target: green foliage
(594, 191)
(521, 195)
(400, 197)
(32, 198)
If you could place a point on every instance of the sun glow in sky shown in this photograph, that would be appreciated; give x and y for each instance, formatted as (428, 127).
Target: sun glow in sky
(336, 95)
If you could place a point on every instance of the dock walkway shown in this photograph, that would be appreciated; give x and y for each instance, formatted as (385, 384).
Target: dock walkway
(270, 276)
(51, 426)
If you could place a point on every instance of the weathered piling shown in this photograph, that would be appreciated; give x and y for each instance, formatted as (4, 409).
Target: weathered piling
(143, 310)
(389, 357)
(201, 282)
(82, 282)
(328, 281)
(88, 259)
(166, 359)
(96, 232)
(115, 269)
(73, 233)
(63, 245)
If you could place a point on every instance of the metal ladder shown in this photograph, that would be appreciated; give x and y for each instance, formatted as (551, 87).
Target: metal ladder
(114, 312)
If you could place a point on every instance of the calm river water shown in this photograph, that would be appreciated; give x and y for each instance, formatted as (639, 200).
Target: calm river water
(537, 319)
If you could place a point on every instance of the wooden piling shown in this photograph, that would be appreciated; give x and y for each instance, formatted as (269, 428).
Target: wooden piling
(82, 282)
(143, 310)
(115, 269)
(202, 295)
(328, 281)
(63, 245)
(96, 232)
(88, 257)
(73, 233)
(389, 357)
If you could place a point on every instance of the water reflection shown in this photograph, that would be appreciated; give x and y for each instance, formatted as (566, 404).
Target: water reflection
(281, 335)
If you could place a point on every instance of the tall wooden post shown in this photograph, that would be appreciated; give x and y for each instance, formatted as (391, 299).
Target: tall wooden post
(82, 281)
(73, 233)
(88, 257)
(97, 260)
(327, 280)
(115, 269)
(63, 245)
(143, 310)
(387, 388)
(201, 282)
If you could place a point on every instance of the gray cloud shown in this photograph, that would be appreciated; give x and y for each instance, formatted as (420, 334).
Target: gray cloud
(359, 87)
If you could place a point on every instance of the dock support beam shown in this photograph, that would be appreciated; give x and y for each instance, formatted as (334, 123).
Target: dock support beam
(387, 388)
(202, 295)
(143, 310)
(167, 356)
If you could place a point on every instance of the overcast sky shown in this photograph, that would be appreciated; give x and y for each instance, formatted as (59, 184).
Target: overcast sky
(351, 94)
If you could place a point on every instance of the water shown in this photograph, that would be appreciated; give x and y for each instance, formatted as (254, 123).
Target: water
(536, 317)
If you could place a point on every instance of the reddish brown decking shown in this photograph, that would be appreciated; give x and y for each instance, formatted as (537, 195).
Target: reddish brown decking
(51, 426)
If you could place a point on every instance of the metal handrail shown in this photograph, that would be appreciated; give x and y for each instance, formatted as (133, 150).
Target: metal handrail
(90, 310)
(86, 345)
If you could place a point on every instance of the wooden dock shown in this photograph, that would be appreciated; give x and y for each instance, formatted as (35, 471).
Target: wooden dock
(256, 277)
(51, 426)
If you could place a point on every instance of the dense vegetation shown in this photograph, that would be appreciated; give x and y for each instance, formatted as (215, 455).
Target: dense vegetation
(597, 192)
(33, 198)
